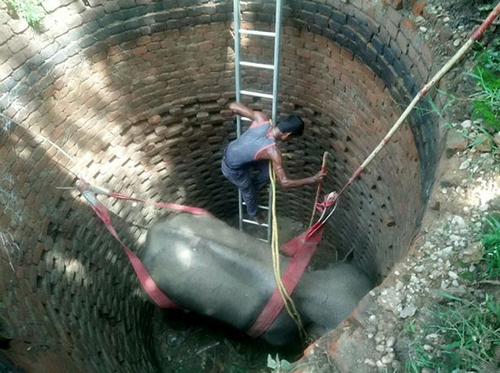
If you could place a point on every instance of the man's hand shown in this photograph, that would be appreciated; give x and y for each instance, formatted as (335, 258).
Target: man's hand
(319, 176)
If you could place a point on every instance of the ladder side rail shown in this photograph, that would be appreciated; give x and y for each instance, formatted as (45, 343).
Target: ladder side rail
(274, 113)
(237, 70)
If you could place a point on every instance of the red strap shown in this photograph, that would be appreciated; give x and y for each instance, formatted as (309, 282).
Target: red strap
(303, 247)
(173, 206)
(147, 282)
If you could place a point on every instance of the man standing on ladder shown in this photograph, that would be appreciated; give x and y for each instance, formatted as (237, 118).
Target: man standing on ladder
(253, 149)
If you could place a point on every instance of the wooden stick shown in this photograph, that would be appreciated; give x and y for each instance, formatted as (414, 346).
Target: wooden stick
(447, 67)
(318, 189)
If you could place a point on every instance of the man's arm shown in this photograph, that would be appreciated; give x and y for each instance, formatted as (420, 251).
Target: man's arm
(274, 154)
(243, 110)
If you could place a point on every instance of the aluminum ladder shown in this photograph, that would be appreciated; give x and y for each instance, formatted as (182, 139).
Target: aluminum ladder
(238, 63)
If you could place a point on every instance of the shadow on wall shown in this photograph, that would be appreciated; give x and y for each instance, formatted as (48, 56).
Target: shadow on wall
(60, 273)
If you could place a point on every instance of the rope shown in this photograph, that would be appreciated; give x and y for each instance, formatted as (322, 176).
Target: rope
(430, 84)
(289, 304)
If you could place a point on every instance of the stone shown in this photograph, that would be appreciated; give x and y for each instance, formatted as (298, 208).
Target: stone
(156, 119)
(464, 165)
(473, 253)
(387, 359)
(455, 142)
(408, 311)
(496, 139)
(495, 203)
(466, 124)
(390, 299)
(418, 8)
(484, 144)
(390, 341)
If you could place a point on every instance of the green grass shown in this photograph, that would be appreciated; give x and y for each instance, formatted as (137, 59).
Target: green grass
(469, 333)
(468, 327)
(491, 243)
(486, 102)
(29, 10)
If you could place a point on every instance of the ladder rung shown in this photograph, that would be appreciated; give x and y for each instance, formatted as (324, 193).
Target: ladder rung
(254, 223)
(256, 94)
(258, 65)
(255, 32)
(263, 240)
(259, 206)
(246, 119)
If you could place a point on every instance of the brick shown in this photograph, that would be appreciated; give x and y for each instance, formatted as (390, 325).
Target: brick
(418, 8)
(402, 42)
(50, 5)
(17, 43)
(408, 28)
(5, 71)
(18, 26)
(5, 35)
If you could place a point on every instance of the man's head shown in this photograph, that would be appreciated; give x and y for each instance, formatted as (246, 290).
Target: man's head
(292, 125)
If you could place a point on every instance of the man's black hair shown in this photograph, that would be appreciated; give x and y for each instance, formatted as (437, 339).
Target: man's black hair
(293, 124)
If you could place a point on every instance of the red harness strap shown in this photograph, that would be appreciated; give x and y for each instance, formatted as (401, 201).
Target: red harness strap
(307, 245)
(147, 282)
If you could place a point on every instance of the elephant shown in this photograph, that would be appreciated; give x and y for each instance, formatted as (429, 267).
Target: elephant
(205, 266)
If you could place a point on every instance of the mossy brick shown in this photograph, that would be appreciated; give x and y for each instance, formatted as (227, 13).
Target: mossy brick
(126, 4)
(5, 71)
(360, 28)
(339, 17)
(321, 20)
(59, 57)
(324, 10)
(306, 16)
(7, 85)
(395, 48)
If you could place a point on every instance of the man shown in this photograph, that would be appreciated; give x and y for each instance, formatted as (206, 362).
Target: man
(254, 149)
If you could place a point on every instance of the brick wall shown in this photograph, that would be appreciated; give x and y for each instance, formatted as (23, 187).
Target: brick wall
(137, 92)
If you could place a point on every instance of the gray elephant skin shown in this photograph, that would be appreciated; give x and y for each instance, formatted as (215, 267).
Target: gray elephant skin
(210, 268)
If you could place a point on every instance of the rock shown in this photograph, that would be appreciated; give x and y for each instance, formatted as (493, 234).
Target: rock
(466, 124)
(464, 165)
(390, 299)
(457, 42)
(370, 362)
(473, 253)
(408, 311)
(495, 203)
(418, 8)
(154, 119)
(423, 29)
(455, 141)
(484, 144)
(387, 359)
(496, 139)
(458, 220)
(390, 341)
(380, 365)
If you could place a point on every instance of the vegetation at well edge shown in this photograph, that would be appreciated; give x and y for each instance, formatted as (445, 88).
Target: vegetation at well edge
(29, 10)
(466, 329)
(486, 101)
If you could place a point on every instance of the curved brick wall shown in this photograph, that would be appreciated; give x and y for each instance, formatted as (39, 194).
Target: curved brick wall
(137, 93)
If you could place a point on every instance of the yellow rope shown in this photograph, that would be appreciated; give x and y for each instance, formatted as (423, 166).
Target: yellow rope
(289, 304)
